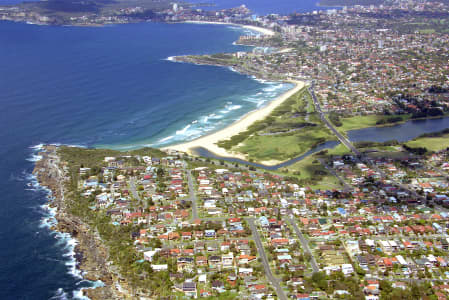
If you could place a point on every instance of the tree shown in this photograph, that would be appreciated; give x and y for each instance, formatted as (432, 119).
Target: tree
(385, 287)
(160, 172)
(319, 280)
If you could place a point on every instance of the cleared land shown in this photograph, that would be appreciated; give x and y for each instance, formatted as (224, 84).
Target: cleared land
(431, 143)
(312, 173)
(359, 122)
(292, 129)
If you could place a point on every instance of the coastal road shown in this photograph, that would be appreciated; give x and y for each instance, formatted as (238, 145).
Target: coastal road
(192, 195)
(360, 156)
(323, 118)
(274, 281)
(304, 243)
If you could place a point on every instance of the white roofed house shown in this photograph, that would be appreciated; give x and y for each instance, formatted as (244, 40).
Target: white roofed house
(243, 272)
(370, 243)
(148, 255)
(202, 278)
(103, 200)
(347, 269)
(393, 245)
(352, 247)
(401, 260)
(210, 204)
(385, 245)
(227, 260)
(189, 289)
(221, 171)
(157, 268)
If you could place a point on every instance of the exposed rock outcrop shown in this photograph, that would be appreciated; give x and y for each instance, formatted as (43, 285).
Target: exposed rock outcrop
(91, 253)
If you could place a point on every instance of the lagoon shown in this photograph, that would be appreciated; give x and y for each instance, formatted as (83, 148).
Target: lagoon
(401, 132)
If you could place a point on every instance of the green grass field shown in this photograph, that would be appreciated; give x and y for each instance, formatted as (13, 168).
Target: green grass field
(431, 143)
(340, 149)
(284, 147)
(359, 122)
(311, 173)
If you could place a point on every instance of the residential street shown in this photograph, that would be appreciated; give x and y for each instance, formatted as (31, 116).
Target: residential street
(274, 281)
(192, 195)
(304, 243)
(132, 186)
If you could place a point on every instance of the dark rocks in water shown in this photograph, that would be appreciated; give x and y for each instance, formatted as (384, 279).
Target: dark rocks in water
(90, 253)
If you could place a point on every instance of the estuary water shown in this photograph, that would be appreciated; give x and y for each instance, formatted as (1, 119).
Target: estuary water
(400, 132)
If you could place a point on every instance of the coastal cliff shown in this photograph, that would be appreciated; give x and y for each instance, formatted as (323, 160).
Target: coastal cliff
(91, 254)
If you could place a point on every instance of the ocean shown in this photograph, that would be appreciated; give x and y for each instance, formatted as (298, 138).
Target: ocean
(114, 87)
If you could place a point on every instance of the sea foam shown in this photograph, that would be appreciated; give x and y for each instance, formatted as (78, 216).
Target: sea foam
(225, 115)
(63, 240)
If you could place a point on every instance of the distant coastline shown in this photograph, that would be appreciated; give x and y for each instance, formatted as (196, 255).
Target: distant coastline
(262, 30)
(209, 141)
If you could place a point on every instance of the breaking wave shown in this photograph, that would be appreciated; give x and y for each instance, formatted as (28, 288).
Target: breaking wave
(225, 115)
(64, 241)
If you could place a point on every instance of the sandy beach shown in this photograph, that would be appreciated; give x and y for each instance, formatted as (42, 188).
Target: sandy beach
(261, 30)
(210, 141)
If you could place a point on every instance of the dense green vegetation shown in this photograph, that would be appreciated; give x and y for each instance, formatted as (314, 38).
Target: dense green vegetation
(335, 119)
(369, 144)
(333, 282)
(79, 157)
(416, 150)
(390, 120)
(415, 291)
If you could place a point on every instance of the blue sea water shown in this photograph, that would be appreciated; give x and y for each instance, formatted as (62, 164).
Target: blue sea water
(111, 86)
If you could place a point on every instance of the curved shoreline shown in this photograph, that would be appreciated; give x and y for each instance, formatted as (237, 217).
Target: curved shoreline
(210, 141)
(261, 30)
